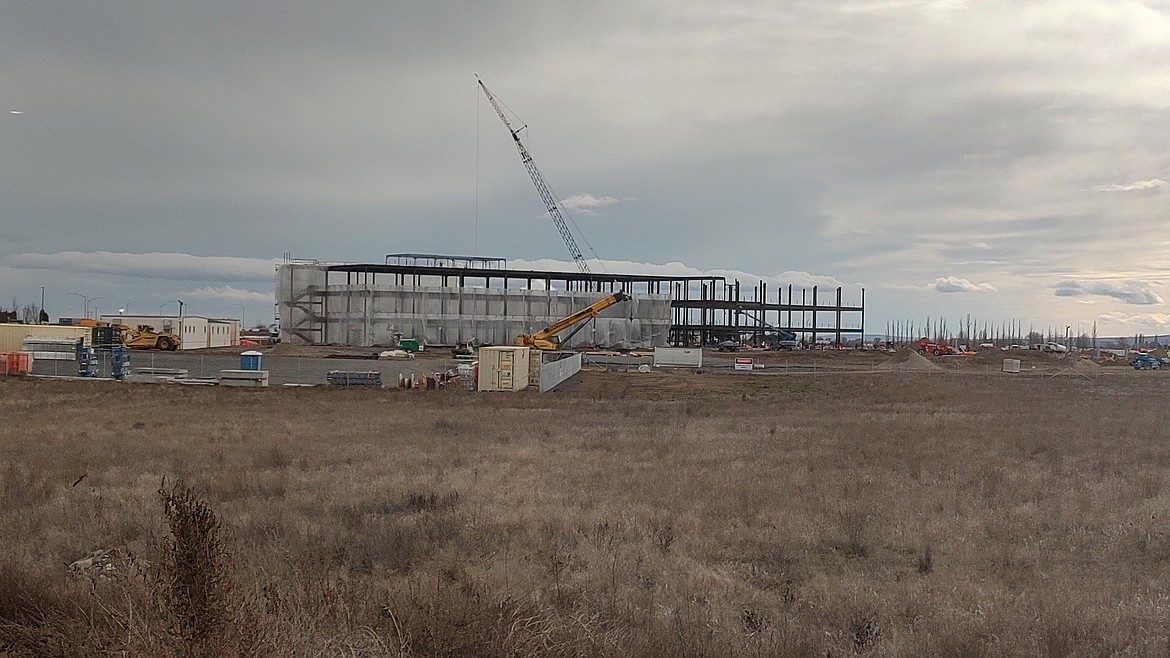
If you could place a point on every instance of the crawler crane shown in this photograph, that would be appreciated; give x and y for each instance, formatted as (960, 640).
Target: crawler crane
(550, 201)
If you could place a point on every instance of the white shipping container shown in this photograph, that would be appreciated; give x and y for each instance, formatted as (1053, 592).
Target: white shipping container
(678, 357)
(504, 368)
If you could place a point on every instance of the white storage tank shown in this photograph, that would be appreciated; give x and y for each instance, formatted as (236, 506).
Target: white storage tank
(504, 368)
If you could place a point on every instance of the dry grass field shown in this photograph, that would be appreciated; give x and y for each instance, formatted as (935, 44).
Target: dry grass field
(631, 515)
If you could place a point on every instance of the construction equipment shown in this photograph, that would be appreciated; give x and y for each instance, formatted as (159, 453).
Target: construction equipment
(774, 338)
(926, 346)
(142, 337)
(1147, 362)
(550, 202)
(546, 339)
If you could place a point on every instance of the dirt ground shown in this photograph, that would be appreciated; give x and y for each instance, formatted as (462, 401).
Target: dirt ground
(841, 510)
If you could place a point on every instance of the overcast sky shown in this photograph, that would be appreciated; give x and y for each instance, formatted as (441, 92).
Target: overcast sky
(1003, 159)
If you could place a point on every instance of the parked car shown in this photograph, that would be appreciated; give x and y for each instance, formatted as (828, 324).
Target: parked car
(1053, 347)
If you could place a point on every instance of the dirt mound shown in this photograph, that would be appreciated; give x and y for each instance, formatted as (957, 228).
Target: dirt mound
(1088, 365)
(910, 361)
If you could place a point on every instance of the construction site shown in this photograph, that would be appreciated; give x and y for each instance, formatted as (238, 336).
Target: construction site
(457, 300)
(444, 300)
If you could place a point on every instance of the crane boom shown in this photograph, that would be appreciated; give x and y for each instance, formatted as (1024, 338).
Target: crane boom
(546, 339)
(550, 202)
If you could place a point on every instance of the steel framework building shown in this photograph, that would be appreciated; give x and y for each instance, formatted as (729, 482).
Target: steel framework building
(448, 299)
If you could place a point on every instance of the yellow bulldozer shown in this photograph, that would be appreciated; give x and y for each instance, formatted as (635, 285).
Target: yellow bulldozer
(142, 337)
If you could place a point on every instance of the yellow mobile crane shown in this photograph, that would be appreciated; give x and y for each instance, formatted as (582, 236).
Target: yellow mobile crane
(546, 339)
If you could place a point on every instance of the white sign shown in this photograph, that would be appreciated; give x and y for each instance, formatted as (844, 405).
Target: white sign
(743, 363)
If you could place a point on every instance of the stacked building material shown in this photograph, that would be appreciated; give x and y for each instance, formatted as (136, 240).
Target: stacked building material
(351, 379)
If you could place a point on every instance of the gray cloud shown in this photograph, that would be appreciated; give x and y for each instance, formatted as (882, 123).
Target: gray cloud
(586, 204)
(1129, 292)
(1141, 185)
(172, 266)
(955, 284)
(874, 141)
(228, 294)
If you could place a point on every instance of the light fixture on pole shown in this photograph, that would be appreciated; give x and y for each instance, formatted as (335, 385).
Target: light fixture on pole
(85, 302)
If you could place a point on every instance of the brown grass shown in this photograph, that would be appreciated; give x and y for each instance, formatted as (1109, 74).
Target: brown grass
(650, 515)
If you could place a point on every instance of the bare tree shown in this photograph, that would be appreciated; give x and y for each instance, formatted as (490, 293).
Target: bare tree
(30, 313)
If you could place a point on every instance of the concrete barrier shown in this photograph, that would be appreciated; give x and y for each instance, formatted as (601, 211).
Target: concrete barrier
(557, 372)
(245, 378)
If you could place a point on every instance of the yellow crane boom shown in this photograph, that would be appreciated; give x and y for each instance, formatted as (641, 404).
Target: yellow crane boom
(546, 339)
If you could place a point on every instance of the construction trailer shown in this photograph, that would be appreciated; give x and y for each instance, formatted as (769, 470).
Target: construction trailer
(448, 300)
(194, 331)
(13, 335)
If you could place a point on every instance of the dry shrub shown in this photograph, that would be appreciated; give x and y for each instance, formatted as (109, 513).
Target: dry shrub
(195, 587)
(707, 516)
(34, 616)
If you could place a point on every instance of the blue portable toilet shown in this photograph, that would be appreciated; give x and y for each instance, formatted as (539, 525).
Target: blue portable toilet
(250, 360)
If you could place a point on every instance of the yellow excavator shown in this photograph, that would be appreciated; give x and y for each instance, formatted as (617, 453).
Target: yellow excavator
(546, 339)
(144, 337)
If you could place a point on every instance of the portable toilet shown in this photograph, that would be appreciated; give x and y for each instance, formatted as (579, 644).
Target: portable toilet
(250, 360)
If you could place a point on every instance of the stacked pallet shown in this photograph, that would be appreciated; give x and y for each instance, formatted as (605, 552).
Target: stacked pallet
(352, 379)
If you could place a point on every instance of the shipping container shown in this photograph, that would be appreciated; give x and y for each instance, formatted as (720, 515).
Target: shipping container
(504, 368)
(678, 357)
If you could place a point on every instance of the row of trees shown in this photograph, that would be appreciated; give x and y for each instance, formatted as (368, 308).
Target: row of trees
(969, 331)
(28, 314)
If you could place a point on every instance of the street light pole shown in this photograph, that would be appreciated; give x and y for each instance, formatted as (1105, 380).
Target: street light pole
(243, 311)
(85, 301)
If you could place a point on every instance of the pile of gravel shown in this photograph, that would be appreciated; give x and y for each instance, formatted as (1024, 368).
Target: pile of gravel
(912, 362)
